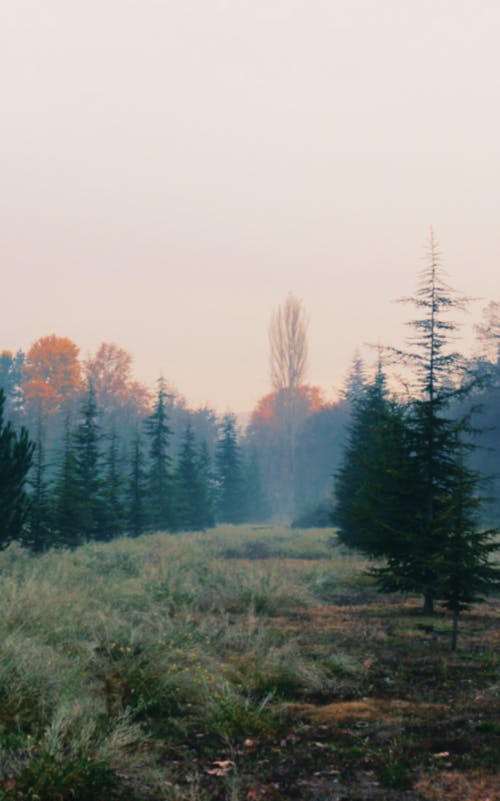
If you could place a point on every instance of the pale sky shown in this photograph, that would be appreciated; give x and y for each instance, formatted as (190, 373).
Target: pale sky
(171, 169)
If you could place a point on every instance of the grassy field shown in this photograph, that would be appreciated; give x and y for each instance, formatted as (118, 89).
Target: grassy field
(243, 664)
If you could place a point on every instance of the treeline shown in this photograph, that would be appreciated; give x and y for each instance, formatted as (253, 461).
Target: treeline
(99, 467)
(91, 484)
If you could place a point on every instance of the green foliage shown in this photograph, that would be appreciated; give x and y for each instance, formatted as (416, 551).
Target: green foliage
(16, 453)
(375, 504)
(193, 490)
(319, 516)
(159, 478)
(230, 484)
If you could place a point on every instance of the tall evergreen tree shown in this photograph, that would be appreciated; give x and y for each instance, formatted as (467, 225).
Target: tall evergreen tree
(160, 485)
(87, 439)
(16, 453)
(65, 497)
(374, 501)
(434, 427)
(466, 572)
(113, 512)
(137, 489)
(193, 508)
(39, 534)
(230, 485)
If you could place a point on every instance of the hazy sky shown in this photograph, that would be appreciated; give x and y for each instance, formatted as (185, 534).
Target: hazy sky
(171, 169)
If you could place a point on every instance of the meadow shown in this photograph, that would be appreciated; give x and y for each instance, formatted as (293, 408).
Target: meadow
(241, 664)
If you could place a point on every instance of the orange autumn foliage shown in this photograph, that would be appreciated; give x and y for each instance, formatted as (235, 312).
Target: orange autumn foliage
(52, 372)
(267, 410)
(110, 371)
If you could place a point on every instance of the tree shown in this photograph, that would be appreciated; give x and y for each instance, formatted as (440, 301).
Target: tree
(159, 476)
(374, 500)
(194, 509)
(11, 380)
(288, 345)
(87, 439)
(288, 364)
(51, 373)
(406, 492)
(137, 489)
(16, 452)
(121, 399)
(274, 437)
(39, 535)
(113, 514)
(66, 496)
(432, 422)
(463, 564)
(230, 486)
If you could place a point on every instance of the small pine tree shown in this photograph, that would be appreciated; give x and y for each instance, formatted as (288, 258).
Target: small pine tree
(463, 564)
(374, 504)
(65, 497)
(87, 439)
(113, 523)
(16, 453)
(230, 484)
(193, 508)
(39, 534)
(160, 485)
(137, 489)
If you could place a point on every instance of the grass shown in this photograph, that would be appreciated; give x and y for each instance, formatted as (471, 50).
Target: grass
(243, 663)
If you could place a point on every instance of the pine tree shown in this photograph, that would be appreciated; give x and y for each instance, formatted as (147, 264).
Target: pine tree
(230, 486)
(374, 502)
(206, 501)
(112, 490)
(87, 438)
(39, 534)
(137, 489)
(160, 486)
(194, 510)
(65, 500)
(463, 564)
(16, 453)
(432, 421)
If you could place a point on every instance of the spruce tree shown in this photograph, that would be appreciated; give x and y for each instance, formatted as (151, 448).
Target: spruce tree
(16, 453)
(374, 502)
(87, 439)
(65, 498)
(440, 380)
(113, 513)
(137, 489)
(465, 570)
(160, 485)
(230, 485)
(194, 510)
(39, 534)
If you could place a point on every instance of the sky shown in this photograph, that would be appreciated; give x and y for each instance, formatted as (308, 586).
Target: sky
(172, 169)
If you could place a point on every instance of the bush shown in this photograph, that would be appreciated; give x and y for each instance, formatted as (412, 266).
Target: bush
(319, 516)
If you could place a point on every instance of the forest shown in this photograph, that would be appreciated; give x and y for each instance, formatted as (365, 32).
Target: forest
(194, 608)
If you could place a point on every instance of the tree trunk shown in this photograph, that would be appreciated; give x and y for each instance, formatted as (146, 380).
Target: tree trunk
(428, 607)
(454, 631)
